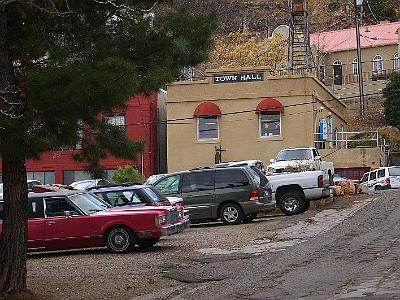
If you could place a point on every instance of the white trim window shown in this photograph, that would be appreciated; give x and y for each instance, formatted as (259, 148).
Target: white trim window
(355, 66)
(377, 64)
(207, 128)
(270, 124)
(117, 120)
(396, 62)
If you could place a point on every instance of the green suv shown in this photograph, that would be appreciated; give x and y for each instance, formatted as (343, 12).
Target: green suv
(232, 194)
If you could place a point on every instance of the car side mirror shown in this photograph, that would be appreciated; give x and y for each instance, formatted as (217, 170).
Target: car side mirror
(68, 214)
(317, 158)
(272, 160)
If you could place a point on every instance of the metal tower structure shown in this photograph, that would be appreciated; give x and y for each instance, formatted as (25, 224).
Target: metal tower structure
(299, 50)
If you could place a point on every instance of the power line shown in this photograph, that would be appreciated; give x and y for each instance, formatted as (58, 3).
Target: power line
(177, 120)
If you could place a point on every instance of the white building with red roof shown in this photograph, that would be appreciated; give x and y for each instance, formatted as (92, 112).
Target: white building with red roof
(337, 56)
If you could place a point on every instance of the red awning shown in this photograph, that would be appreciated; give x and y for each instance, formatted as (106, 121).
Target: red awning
(269, 105)
(207, 108)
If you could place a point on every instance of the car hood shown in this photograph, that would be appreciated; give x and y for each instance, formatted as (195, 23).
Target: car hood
(134, 209)
(289, 163)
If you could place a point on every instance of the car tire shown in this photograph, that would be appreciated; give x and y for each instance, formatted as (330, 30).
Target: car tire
(120, 240)
(249, 218)
(378, 188)
(292, 203)
(147, 242)
(231, 214)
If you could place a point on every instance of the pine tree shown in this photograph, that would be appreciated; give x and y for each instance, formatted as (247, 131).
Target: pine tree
(392, 100)
(64, 65)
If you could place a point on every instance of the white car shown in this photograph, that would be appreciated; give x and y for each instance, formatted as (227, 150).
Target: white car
(382, 178)
(30, 183)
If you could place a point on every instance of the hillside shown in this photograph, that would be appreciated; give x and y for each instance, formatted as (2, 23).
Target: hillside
(265, 15)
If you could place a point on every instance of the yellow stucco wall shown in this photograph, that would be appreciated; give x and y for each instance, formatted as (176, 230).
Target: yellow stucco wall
(302, 98)
(356, 157)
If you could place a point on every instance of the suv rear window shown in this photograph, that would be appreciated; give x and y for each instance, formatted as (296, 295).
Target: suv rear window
(198, 181)
(263, 180)
(394, 171)
(229, 178)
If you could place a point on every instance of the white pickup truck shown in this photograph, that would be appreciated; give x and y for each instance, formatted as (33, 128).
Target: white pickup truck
(294, 191)
(300, 159)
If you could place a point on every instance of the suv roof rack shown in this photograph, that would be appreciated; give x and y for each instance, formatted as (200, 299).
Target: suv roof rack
(201, 168)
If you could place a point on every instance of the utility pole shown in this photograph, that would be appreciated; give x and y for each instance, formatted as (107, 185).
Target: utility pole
(358, 14)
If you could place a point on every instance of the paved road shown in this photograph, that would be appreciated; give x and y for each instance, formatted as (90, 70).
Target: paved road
(346, 249)
(338, 253)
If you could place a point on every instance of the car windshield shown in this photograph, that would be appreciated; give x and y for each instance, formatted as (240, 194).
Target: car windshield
(155, 195)
(394, 171)
(154, 178)
(295, 154)
(88, 203)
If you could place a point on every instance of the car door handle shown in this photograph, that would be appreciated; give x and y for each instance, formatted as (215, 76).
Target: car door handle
(51, 223)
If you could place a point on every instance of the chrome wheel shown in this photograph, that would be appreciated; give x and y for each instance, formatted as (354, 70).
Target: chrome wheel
(291, 204)
(231, 214)
(119, 240)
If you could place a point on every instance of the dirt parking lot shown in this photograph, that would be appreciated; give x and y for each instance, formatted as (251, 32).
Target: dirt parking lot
(98, 274)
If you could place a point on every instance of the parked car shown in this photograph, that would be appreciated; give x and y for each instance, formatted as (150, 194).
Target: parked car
(30, 183)
(76, 219)
(305, 159)
(154, 178)
(253, 163)
(89, 183)
(231, 194)
(382, 178)
(294, 191)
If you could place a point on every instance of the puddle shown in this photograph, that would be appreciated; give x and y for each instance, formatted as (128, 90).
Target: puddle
(294, 234)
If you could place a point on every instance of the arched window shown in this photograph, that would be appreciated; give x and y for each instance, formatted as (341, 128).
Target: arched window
(337, 72)
(396, 62)
(207, 114)
(270, 117)
(377, 64)
(355, 66)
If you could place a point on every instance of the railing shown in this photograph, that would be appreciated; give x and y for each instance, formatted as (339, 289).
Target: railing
(367, 77)
(348, 139)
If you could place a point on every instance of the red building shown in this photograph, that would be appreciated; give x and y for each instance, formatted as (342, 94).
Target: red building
(139, 120)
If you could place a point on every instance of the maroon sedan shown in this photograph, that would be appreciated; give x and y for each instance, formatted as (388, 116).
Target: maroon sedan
(75, 219)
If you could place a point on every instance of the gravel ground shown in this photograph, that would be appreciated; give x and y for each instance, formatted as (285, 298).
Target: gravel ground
(184, 258)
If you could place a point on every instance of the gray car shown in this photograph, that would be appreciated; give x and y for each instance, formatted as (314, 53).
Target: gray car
(232, 194)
